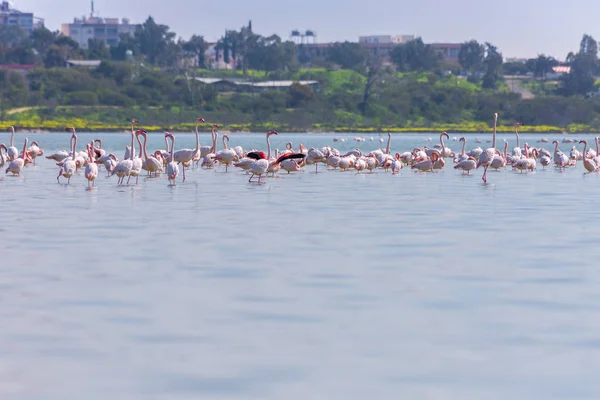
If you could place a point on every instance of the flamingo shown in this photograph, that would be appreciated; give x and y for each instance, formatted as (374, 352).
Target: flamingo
(34, 151)
(110, 163)
(427, 164)
(288, 161)
(396, 165)
(499, 161)
(152, 164)
(466, 165)
(206, 150)
(172, 167)
(462, 156)
(58, 156)
(560, 159)
(99, 152)
(137, 162)
(517, 150)
(13, 152)
(3, 158)
(185, 156)
(16, 165)
(485, 159)
(129, 151)
(91, 169)
(260, 166)
(226, 156)
(124, 167)
(315, 156)
(588, 164)
(69, 165)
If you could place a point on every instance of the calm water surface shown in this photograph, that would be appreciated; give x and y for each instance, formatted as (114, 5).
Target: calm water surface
(312, 286)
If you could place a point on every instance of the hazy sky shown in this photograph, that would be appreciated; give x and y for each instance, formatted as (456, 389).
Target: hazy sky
(520, 28)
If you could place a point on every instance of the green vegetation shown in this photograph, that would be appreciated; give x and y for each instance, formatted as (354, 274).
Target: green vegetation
(149, 76)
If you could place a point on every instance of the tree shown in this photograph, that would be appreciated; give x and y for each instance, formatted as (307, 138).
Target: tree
(493, 67)
(584, 66)
(195, 47)
(97, 50)
(347, 55)
(154, 40)
(12, 35)
(300, 94)
(543, 66)
(373, 76)
(415, 56)
(41, 39)
(55, 56)
(471, 57)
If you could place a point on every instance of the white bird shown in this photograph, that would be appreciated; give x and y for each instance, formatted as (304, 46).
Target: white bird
(13, 152)
(124, 167)
(136, 161)
(16, 165)
(226, 156)
(184, 156)
(91, 169)
(466, 165)
(486, 157)
(3, 158)
(260, 167)
(172, 167)
(154, 163)
(69, 166)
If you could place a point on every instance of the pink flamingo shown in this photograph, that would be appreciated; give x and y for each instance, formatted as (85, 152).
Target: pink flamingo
(16, 165)
(91, 169)
(485, 159)
(172, 167)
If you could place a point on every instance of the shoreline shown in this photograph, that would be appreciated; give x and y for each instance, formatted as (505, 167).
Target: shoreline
(286, 129)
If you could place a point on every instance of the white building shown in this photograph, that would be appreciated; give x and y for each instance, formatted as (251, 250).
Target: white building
(11, 16)
(385, 39)
(105, 29)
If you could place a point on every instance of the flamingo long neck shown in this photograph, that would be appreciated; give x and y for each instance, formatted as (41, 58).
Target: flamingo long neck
(517, 133)
(387, 148)
(25, 148)
(12, 137)
(224, 143)
(584, 148)
(214, 146)
(172, 148)
(132, 154)
(505, 147)
(442, 143)
(139, 144)
(494, 133)
(197, 140)
(556, 147)
(463, 149)
(596, 139)
(268, 146)
(90, 152)
(167, 144)
(74, 145)
(145, 148)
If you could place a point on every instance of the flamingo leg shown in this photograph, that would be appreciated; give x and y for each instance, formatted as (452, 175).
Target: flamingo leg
(252, 176)
(183, 166)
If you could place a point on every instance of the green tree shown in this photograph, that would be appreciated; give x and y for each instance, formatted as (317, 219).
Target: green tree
(153, 41)
(12, 35)
(584, 66)
(347, 55)
(543, 66)
(97, 50)
(42, 39)
(471, 57)
(493, 67)
(300, 94)
(195, 47)
(415, 56)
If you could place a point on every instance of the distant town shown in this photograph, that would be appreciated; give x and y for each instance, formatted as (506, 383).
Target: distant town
(96, 69)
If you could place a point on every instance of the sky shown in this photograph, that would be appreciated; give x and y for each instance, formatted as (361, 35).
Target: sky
(519, 28)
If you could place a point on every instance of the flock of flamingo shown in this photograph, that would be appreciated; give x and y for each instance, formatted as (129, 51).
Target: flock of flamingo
(259, 164)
